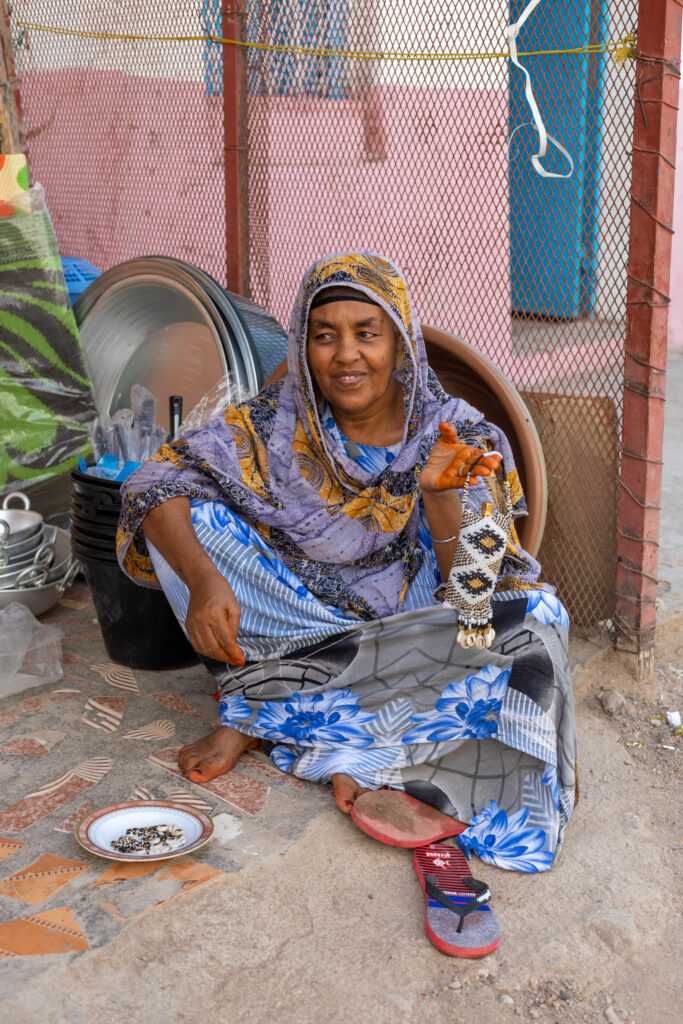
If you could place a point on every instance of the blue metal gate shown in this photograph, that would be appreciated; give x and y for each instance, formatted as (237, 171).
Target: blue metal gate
(554, 224)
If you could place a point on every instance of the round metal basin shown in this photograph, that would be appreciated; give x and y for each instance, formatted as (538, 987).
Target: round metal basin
(149, 322)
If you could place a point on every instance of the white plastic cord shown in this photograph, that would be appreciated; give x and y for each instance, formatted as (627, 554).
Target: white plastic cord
(543, 137)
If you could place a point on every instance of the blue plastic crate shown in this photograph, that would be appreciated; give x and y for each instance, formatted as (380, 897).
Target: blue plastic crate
(78, 274)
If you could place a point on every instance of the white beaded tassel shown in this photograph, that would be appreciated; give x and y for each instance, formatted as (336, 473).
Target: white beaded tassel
(474, 573)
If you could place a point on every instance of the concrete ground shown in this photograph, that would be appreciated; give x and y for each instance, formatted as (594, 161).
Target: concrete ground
(291, 914)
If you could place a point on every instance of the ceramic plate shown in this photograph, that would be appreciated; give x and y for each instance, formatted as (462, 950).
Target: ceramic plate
(97, 830)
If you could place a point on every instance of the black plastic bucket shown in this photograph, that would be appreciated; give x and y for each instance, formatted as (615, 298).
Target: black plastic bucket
(108, 514)
(90, 540)
(138, 627)
(84, 553)
(93, 528)
(96, 491)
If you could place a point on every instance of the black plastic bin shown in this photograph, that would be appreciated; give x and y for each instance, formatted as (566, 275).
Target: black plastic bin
(138, 626)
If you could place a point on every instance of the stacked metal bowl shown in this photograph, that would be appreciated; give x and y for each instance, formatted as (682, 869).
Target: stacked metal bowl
(36, 566)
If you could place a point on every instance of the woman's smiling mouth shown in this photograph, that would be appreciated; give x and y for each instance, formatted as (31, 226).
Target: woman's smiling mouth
(349, 379)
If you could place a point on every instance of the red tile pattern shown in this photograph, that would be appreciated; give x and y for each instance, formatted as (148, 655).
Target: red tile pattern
(104, 712)
(235, 788)
(53, 931)
(25, 745)
(175, 703)
(118, 676)
(69, 824)
(9, 846)
(53, 794)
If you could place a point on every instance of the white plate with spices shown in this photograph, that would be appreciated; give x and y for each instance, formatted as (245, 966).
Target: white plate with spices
(102, 831)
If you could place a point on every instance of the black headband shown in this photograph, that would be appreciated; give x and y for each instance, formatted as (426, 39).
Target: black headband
(340, 293)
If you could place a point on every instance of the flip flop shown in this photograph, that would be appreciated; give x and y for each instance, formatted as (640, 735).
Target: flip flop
(456, 922)
(395, 818)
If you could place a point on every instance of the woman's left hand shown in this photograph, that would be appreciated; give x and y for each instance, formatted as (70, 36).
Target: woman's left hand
(450, 462)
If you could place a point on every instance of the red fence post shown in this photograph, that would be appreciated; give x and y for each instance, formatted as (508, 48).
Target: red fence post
(235, 148)
(649, 259)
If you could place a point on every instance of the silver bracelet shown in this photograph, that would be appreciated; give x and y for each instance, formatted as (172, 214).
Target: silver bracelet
(446, 540)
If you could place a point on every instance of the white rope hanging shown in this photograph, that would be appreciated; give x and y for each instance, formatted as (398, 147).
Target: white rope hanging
(543, 137)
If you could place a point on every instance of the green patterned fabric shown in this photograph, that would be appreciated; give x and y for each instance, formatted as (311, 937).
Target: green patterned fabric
(45, 395)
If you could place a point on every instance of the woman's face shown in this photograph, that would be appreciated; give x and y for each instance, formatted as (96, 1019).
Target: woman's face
(352, 348)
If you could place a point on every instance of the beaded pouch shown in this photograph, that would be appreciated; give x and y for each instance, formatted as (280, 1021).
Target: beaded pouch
(476, 563)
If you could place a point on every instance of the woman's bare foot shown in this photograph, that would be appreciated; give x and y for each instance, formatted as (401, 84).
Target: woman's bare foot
(346, 791)
(214, 754)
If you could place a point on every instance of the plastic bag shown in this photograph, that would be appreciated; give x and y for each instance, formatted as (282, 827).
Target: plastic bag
(30, 201)
(226, 392)
(30, 652)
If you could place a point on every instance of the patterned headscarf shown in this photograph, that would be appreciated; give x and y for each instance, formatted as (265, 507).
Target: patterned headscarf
(350, 535)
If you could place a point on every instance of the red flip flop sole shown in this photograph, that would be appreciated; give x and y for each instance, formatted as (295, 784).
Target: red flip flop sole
(395, 818)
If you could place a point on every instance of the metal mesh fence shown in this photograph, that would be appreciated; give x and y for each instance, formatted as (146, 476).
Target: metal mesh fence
(125, 135)
(411, 158)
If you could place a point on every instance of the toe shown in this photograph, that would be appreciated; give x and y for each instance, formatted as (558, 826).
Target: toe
(188, 757)
(345, 792)
(207, 769)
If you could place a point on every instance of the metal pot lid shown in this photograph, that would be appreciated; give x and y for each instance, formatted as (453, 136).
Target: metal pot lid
(148, 321)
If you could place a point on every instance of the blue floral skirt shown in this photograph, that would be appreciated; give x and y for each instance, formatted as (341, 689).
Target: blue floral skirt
(486, 736)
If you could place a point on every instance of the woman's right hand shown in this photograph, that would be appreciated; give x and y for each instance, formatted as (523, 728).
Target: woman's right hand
(450, 462)
(213, 617)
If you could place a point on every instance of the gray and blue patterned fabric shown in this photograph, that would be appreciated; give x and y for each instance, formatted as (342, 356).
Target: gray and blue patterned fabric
(487, 736)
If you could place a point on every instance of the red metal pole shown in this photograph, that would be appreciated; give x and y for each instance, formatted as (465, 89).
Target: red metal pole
(235, 149)
(649, 260)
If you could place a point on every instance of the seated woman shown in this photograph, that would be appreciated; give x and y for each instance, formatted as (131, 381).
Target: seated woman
(301, 537)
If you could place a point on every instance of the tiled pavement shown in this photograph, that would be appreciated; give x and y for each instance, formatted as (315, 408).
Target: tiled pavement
(100, 735)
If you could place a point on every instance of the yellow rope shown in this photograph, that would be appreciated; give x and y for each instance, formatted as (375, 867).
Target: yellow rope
(622, 49)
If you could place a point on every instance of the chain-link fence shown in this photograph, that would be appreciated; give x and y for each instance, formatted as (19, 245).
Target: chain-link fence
(414, 158)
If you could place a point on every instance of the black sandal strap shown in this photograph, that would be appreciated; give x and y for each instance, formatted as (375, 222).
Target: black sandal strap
(462, 910)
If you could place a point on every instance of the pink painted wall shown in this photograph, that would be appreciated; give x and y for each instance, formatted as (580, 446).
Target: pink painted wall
(134, 166)
(131, 166)
(676, 286)
(436, 201)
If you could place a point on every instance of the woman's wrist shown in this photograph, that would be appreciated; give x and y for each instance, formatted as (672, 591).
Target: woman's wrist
(197, 570)
(442, 497)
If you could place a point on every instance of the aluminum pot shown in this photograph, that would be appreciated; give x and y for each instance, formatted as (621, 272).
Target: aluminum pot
(58, 570)
(40, 551)
(11, 551)
(32, 573)
(18, 524)
(40, 599)
(49, 556)
(7, 560)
